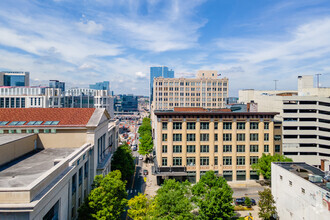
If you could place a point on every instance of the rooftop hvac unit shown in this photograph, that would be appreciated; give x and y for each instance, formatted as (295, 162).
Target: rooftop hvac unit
(315, 179)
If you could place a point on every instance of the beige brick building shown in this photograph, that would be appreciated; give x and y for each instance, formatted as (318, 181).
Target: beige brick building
(191, 141)
(206, 90)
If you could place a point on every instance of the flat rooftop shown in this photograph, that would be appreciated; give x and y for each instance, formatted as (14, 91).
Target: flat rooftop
(303, 170)
(24, 170)
(7, 138)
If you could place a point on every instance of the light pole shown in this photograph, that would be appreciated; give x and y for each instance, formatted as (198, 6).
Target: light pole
(275, 80)
(318, 78)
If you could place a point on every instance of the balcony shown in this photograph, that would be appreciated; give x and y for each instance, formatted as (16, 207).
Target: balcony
(169, 171)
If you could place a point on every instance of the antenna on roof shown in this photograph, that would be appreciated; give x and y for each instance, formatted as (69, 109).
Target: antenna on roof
(318, 76)
(275, 80)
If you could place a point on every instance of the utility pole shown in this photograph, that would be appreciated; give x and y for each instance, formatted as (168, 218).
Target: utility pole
(275, 80)
(318, 76)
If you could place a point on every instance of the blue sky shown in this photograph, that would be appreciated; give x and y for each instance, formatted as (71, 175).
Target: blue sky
(251, 42)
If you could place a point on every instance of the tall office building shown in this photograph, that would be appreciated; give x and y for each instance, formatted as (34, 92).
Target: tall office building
(100, 86)
(155, 72)
(57, 84)
(14, 78)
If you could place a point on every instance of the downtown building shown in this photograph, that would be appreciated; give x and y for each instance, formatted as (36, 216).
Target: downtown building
(192, 141)
(305, 114)
(14, 78)
(49, 158)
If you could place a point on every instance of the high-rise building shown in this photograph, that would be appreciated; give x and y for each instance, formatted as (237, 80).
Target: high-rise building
(206, 90)
(100, 86)
(126, 103)
(14, 78)
(191, 141)
(57, 84)
(162, 71)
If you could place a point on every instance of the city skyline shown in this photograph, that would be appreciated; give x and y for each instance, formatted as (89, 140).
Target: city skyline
(118, 41)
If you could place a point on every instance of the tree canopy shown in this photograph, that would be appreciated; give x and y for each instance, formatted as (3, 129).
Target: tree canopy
(123, 161)
(107, 200)
(264, 164)
(266, 204)
(146, 142)
(173, 201)
(213, 196)
(140, 207)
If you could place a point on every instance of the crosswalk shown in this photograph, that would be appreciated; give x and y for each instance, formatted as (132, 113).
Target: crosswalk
(131, 191)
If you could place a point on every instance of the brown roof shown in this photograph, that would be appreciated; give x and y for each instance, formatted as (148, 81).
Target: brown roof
(65, 116)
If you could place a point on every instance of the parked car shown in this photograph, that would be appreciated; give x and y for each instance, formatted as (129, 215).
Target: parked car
(145, 172)
(241, 201)
(134, 148)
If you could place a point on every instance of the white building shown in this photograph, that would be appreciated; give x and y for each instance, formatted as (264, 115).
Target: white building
(299, 192)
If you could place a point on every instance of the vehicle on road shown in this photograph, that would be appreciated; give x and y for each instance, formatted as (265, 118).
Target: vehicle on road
(241, 201)
(134, 148)
(141, 157)
(145, 172)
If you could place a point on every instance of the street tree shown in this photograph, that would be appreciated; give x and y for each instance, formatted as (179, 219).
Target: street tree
(146, 144)
(145, 127)
(213, 197)
(107, 200)
(266, 204)
(248, 202)
(173, 201)
(140, 207)
(123, 161)
(264, 164)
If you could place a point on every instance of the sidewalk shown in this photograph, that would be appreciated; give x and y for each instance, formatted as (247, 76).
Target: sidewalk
(151, 184)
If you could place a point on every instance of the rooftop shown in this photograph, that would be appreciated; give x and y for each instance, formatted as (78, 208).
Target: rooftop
(304, 170)
(26, 169)
(7, 138)
(50, 117)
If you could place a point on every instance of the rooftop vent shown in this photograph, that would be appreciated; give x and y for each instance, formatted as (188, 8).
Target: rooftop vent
(315, 179)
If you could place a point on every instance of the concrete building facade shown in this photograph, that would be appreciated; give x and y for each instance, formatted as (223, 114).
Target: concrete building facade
(191, 141)
(49, 158)
(14, 78)
(300, 191)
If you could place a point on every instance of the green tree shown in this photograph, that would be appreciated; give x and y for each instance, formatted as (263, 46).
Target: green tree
(213, 196)
(140, 207)
(173, 201)
(146, 144)
(264, 164)
(123, 161)
(107, 200)
(266, 204)
(248, 202)
(145, 127)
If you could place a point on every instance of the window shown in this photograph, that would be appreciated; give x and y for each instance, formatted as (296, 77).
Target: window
(266, 137)
(266, 125)
(281, 177)
(253, 160)
(191, 161)
(254, 137)
(240, 137)
(80, 176)
(177, 148)
(164, 138)
(204, 161)
(191, 137)
(205, 148)
(216, 161)
(240, 161)
(215, 125)
(302, 190)
(253, 125)
(164, 125)
(215, 137)
(191, 148)
(266, 148)
(277, 148)
(204, 125)
(74, 184)
(177, 161)
(254, 148)
(277, 137)
(191, 125)
(227, 148)
(240, 148)
(227, 161)
(34, 123)
(240, 125)
(215, 148)
(226, 137)
(177, 137)
(227, 125)
(204, 137)
(86, 170)
(290, 183)
(17, 123)
(3, 122)
(51, 122)
(177, 125)
(164, 148)
(164, 161)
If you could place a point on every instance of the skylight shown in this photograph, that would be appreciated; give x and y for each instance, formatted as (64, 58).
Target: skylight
(3, 122)
(51, 122)
(34, 123)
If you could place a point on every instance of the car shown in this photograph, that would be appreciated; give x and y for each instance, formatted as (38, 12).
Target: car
(141, 157)
(134, 148)
(145, 172)
(241, 201)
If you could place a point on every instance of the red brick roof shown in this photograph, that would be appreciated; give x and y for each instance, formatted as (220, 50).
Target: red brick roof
(65, 116)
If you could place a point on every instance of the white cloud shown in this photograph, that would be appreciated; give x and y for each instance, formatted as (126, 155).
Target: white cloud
(90, 27)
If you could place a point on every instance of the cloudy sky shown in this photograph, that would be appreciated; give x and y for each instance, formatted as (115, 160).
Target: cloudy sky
(85, 41)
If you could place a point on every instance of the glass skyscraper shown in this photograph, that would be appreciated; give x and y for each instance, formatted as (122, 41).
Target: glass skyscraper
(100, 86)
(14, 78)
(161, 71)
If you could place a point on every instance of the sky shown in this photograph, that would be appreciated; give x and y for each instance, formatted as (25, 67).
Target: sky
(250, 42)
